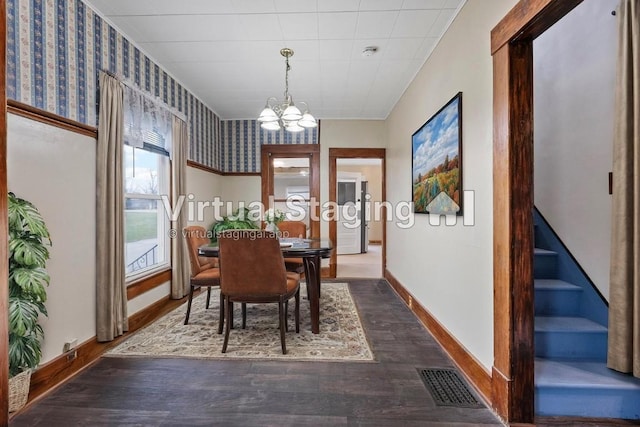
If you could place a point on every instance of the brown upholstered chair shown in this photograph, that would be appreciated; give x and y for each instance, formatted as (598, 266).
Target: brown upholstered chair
(204, 271)
(293, 229)
(252, 271)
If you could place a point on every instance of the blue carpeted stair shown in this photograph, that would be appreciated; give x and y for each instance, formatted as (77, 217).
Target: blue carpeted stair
(571, 376)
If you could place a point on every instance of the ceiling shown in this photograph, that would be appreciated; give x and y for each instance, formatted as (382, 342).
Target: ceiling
(227, 52)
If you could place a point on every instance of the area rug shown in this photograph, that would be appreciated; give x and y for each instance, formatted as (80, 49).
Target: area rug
(341, 336)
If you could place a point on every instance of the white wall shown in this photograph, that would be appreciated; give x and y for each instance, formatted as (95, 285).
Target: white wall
(202, 187)
(449, 269)
(574, 78)
(241, 188)
(55, 170)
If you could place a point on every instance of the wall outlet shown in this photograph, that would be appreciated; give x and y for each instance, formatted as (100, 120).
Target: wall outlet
(71, 355)
(70, 345)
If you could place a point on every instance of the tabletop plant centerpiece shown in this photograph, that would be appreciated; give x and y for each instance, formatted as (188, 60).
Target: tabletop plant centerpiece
(273, 217)
(240, 219)
(28, 252)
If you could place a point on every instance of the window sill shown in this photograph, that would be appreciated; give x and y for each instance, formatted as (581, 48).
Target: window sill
(144, 284)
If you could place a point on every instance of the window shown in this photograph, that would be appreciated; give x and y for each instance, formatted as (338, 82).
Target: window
(146, 180)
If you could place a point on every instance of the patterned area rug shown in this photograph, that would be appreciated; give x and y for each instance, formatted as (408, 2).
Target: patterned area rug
(341, 334)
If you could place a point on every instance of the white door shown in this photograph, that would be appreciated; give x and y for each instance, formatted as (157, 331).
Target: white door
(349, 215)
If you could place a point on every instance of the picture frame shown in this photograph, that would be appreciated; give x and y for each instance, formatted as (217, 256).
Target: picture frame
(436, 162)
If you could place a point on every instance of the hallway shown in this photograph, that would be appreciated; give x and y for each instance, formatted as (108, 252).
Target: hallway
(366, 265)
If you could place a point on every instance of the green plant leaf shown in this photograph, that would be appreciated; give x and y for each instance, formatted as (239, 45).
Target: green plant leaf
(23, 215)
(28, 251)
(23, 317)
(239, 220)
(32, 282)
(24, 352)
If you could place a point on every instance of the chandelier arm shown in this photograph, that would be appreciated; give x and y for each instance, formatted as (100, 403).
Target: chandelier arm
(288, 115)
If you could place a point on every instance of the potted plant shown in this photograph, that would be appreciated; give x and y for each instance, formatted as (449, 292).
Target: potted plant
(238, 220)
(28, 252)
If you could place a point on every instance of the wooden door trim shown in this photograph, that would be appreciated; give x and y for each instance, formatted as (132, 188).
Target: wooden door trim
(512, 49)
(4, 262)
(293, 150)
(353, 153)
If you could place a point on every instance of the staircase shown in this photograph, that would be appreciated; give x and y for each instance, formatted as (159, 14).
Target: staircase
(571, 377)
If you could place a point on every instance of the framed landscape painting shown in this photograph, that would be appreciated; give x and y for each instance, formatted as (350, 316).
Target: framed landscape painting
(436, 172)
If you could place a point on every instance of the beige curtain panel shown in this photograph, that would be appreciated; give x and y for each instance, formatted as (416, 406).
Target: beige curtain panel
(179, 256)
(624, 297)
(111, 291)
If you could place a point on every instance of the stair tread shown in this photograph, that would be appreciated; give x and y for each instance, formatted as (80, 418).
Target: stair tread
(555, 284)
(540, 251)
(571, 373)
(567, 324)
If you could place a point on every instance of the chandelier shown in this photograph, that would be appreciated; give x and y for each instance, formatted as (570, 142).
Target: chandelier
(284, 114)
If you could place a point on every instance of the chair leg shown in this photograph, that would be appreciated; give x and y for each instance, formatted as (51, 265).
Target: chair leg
(244, 315)
(282, 321)
(186, 319)
(208, 296)
(286, 315)
(227, 328)
(222, 313)
(297, 313)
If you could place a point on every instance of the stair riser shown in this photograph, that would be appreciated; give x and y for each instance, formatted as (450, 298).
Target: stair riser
(571, 345)
(545, 266)
(557, 302)
(590, 402)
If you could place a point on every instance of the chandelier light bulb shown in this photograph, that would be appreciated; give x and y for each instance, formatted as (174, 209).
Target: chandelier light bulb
(284, 114)
(274, 125)
(291, 113)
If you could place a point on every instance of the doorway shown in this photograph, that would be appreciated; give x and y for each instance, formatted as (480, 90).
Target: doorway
(291, 182)
(357, 229)
(512, 379)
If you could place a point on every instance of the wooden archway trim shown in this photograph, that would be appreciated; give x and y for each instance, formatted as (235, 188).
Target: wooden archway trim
(353, 153)
(512, 377)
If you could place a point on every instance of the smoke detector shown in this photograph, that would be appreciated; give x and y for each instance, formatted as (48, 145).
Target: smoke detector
(369, 50)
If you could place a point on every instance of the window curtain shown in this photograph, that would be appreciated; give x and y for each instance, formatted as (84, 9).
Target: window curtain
(179, 255)
(111, 292)
(143, 114)
(624, 295)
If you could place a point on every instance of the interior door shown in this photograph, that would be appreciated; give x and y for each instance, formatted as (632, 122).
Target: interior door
(349, 196)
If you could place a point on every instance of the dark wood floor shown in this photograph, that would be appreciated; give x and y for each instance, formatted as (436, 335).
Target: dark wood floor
(387, 392)
(174, 392)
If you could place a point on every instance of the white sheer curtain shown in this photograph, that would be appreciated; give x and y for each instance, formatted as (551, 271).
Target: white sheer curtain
(143, 116)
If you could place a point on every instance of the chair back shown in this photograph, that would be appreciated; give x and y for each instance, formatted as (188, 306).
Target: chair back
(293, 229)
(196, 236)
(251, 264)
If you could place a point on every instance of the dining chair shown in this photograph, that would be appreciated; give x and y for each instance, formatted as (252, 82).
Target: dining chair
(204, 271)
(298, 230)
(252, 271)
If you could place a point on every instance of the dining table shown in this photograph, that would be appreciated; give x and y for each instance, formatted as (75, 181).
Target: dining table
(312, 251)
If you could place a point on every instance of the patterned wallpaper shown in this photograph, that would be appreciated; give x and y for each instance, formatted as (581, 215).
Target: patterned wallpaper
(240, 150)
(55, 50)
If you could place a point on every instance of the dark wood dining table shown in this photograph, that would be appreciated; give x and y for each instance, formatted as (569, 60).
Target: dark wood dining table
(311, 251)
